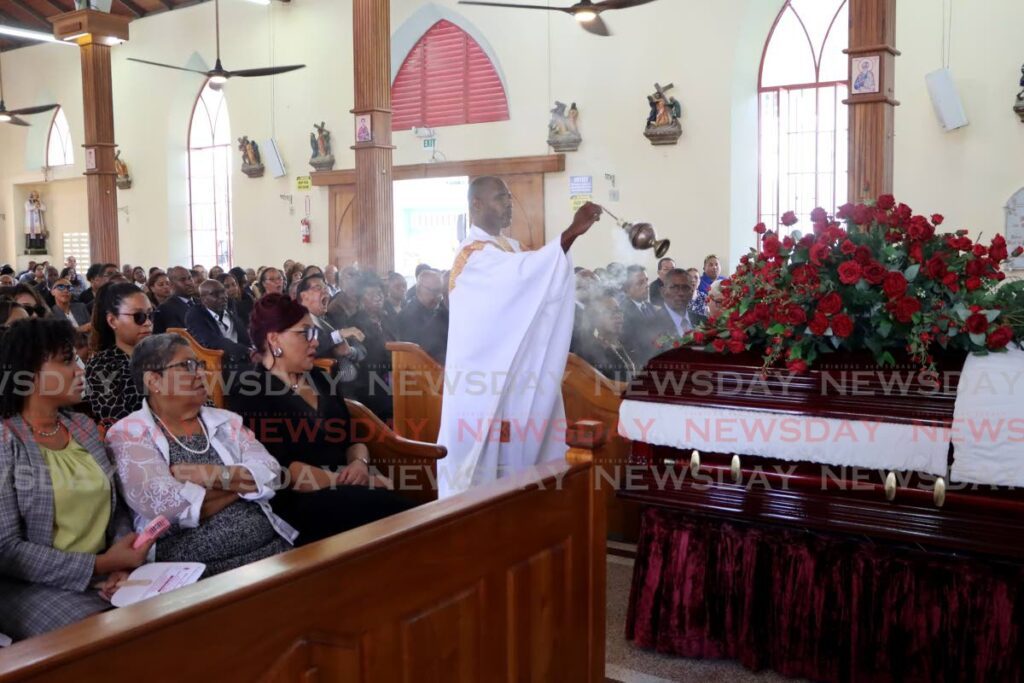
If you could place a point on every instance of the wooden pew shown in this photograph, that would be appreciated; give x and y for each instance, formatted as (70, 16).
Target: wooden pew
(410, 465)
(417, 383)
(505, 582)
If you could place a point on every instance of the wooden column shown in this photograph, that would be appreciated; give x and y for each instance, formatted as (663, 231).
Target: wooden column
(872, 33)
(95, 32)
(374, 201)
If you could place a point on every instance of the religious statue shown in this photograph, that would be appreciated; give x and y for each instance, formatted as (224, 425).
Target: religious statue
(663, 127)
(322, 159)
(35, 225)
(1019, 106)
(124, 179)
(252, 164)
(563, 131)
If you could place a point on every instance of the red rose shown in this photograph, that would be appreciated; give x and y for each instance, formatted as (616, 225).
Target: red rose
(861, 214)
(862, 255)
(770, 246)
(788, 242)
(997, 251)
(791, 314)
(975, 267)
(698, 337)
(798, 365)
(844, 211)
(849, 273)
(979, 250)
(830, 304)
(819, 252)
(904, 308)
(885, 202)
(937, 219)
(760, 228)
(874, 273)
(842, 326)
(818, 324)
(920, 228)
(952, 281)
(1017, 252)
(805, 275)
(847, 247)
(895, 285)
(936, 268)
(999, 337)
(789, 218)
(972, 283)
(818, 215)
(736, 346)
(916, 253)
(719, 345)
(977, 323)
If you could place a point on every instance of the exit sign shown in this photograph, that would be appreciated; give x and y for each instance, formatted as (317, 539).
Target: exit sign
(429, 143)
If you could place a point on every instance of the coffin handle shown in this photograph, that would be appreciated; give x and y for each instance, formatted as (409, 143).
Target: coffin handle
(736, 470)
(694, 463)
(890, 486)
(939, 493)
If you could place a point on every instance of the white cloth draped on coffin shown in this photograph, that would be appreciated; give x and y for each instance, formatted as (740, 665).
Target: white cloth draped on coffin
(988, 420)
(828, 441)
(510, 324)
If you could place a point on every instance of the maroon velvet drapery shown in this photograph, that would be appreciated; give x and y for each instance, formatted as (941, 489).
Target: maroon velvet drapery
(823, 607)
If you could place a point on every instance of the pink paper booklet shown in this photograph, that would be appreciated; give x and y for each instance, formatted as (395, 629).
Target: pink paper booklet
(156, 578)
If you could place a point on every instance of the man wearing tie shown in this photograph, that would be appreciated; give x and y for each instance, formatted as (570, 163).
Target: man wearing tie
(677, 318)
(638, 315)
(214, 326)
(171, 313)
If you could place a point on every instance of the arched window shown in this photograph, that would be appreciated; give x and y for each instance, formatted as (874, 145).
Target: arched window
(209, 179)
(803, 124)
(446, 80)
(59, 150)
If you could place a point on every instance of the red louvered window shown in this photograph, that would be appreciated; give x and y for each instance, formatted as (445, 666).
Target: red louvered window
(447, 80)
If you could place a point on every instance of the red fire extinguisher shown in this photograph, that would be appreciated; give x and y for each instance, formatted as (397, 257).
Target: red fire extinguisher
(305, 231)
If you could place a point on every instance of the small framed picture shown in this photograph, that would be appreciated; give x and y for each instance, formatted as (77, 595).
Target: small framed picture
(864, 74)
(364, 128)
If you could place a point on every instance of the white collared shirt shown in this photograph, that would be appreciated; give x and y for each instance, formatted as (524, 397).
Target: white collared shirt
(225, 324)
(682, 322)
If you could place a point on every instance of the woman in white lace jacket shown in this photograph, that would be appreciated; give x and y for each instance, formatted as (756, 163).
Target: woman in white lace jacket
(197, 466)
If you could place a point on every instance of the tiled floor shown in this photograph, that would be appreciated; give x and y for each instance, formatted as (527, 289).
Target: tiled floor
(628, 664)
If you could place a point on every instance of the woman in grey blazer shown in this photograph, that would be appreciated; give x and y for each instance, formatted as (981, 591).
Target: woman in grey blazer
(65, 309)
(65, 538)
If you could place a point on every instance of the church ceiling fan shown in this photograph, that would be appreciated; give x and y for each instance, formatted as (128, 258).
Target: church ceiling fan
(12, 116)
(218, 75)
(586, 12)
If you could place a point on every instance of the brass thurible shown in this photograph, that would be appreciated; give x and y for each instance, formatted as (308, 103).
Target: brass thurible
(641, 235)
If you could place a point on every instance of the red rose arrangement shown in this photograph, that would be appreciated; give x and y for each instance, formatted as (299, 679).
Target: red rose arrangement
(876, 277)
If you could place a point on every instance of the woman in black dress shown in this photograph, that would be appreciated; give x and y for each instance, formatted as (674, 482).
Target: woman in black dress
(299, 414)
(603, 348)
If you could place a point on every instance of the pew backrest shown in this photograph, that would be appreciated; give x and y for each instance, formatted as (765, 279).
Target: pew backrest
(417, 386)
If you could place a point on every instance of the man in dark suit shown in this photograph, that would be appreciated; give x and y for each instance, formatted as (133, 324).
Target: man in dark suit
(664, 266)
(215, 326)
(638, 314)
(424, 321)
(171, 313)
(677, 318)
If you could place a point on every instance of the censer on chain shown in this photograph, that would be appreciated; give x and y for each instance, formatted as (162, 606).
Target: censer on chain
(641, 235)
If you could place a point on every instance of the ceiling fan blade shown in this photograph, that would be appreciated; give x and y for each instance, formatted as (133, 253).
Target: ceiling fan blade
(619, 4)
(596, 26)
(265, 71)
(15, 121)
(505, 4)
(28, 111)
(166, 66)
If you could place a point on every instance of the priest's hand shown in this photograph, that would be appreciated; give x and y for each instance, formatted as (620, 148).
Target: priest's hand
(586, 216)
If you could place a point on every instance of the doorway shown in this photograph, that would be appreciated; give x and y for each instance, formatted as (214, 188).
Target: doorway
(430, 221)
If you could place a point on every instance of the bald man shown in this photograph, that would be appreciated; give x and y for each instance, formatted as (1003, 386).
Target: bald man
(510, 324)
(215, 326)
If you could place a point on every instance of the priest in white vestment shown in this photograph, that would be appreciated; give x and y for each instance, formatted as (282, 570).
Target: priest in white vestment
(510, 324)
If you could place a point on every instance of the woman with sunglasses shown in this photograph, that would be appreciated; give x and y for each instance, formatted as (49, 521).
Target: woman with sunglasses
(122, 317)
(65, 535)
(299, 414)
(65, 309)
(195, 465)
(29, 298)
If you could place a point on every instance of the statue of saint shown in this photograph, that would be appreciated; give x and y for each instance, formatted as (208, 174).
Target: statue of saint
(120, 167)
(35, 224)
(323, 140)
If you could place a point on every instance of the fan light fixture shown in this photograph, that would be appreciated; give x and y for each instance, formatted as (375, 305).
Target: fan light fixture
(583, 16)
(218, 80)
(5, 118)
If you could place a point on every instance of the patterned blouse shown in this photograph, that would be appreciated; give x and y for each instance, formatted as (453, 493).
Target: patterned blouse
(111, 392)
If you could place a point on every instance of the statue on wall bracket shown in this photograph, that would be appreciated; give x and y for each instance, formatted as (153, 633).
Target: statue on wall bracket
(1018, 107)
(320, 142)
(252, 164)
(36, 231)
(563, 131)
(124, 179)
(663, 127)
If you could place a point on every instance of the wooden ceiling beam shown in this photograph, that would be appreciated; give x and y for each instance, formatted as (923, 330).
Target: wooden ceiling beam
(167, 4)
(30, 11)
(133, 8)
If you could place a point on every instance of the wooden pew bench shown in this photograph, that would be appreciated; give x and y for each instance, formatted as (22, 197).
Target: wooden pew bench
(504, 582)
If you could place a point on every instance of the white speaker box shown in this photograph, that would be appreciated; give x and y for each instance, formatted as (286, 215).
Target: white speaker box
(946, 100)
(272, 157)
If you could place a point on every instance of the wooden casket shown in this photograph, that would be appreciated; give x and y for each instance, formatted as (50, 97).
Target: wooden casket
(813, 523)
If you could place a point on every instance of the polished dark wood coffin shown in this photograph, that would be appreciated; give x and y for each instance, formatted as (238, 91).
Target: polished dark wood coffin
(726, 483)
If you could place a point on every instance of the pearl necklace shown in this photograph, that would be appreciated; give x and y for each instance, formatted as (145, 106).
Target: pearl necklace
(178, 441)
(45, 435)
